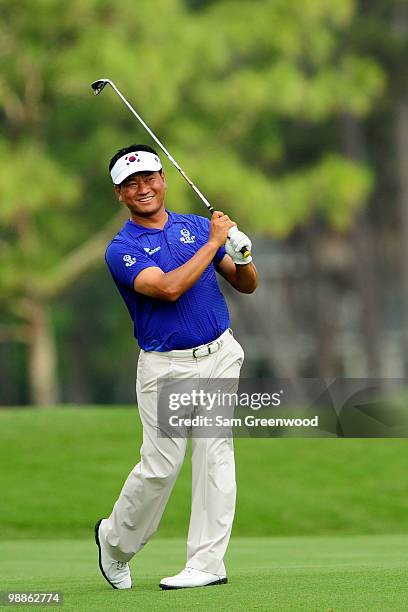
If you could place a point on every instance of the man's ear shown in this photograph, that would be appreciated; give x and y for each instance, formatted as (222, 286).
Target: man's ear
(118, 192)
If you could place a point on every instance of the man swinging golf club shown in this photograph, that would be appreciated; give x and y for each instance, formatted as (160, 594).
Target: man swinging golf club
(163, 265)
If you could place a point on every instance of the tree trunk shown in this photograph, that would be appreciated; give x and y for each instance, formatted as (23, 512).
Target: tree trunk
(365, 276)
(42, 355)
(325, 301)
(402, 169)
(400, 29)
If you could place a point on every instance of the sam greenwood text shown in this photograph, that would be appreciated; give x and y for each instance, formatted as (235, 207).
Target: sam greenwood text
(249, 421)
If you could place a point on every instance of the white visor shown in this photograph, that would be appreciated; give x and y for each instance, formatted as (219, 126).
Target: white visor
(139, 161)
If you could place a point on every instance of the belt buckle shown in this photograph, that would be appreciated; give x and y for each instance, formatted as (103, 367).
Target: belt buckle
(217, 346)
(200, 348)
(194, 351)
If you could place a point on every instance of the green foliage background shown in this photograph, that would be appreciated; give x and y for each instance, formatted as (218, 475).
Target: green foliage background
(250, 97)
(218, 85)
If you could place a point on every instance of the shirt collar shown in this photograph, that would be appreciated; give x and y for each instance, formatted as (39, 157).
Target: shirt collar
(137, 230)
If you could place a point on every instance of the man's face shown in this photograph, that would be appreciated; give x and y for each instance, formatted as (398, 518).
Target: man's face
(143, 193)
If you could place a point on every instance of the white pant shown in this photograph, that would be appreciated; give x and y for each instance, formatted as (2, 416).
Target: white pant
(137, 512)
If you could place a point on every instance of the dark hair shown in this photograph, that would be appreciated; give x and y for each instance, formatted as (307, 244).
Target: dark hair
(130, 149)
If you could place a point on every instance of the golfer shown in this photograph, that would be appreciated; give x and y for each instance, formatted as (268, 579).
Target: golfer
(164, 265)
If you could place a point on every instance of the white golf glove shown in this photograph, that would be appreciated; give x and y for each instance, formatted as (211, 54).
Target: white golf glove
(236, 240)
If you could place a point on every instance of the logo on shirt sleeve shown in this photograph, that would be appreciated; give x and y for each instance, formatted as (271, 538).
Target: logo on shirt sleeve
(186, 236)
(129, 260)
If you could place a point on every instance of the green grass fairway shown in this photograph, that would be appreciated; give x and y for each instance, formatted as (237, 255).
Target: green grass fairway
(342, 506)
(280, 574)
(61, 469)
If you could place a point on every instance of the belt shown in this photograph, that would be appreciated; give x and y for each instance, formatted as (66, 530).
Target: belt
(203, 350)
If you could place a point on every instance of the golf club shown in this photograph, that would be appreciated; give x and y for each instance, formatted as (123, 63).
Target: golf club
(98, 86)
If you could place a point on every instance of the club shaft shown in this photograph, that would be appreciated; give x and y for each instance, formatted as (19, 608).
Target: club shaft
(163, 148)
(98, 86)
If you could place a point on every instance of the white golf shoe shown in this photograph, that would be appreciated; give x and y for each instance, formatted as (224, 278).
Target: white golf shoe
(190, 577)
(117, 573)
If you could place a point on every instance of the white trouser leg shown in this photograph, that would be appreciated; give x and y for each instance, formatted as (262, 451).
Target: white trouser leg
(141, 503)
(213, 476)
(213, 504)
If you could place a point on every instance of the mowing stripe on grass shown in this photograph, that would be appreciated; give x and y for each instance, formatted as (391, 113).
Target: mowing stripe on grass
(282, 574)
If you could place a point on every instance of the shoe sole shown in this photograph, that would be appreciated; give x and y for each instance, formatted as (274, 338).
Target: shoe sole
(100, 553)
(166, 587)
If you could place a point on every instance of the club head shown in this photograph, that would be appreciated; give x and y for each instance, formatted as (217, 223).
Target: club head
(97, 86)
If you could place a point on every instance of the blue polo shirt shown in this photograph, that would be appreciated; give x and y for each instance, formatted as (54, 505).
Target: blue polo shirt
(199, 315)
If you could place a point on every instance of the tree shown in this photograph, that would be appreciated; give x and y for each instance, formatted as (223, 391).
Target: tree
(50, 156)
(221, 83)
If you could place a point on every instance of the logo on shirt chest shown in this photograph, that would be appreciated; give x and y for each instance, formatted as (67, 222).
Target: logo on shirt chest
(151, 251)
(186, 237)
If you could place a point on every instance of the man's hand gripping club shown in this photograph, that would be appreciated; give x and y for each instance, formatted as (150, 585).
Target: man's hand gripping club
(233, 246)
(225, 231)
(220, 227)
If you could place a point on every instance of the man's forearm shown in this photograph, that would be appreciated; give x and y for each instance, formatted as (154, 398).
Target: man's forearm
(178, 281)
(246, 278)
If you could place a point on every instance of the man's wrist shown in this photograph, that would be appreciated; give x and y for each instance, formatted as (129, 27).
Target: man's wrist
(243, 265)
(213, 245)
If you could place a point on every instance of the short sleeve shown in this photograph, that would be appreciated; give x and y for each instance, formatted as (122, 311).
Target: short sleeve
(125, 262)
(220, 254)
(204, 224)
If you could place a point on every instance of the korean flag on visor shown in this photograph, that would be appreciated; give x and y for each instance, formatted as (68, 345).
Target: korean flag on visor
(139, 161)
